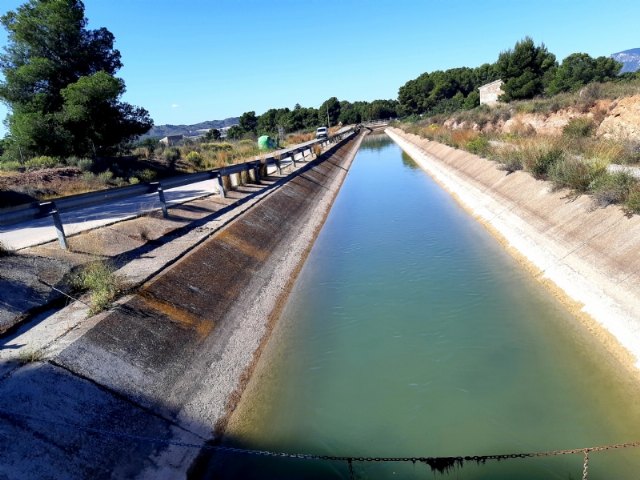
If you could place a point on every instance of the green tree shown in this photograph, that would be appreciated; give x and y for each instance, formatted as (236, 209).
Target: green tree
(213, 134)
(443, 91)
(50, 60)
(150, 144)
(235, 132)
(249, 122)
(525, 70)
(349, 113)
(330, 109)
(578, 69)
(94, 118)
(472, 100)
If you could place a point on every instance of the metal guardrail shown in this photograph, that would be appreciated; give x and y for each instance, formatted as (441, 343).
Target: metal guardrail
(53, 208)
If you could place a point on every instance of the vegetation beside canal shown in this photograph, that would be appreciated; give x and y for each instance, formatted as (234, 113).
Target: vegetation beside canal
(570, 140)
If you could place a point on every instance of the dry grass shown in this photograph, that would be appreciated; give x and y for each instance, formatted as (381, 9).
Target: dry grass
(296, 138)
(30, 356)
(103, 285)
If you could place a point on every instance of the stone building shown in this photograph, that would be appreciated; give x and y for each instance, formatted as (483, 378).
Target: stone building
(171, 140)
(490, 92)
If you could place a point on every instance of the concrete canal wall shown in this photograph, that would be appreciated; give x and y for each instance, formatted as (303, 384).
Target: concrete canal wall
(168, 362)
(589, 256)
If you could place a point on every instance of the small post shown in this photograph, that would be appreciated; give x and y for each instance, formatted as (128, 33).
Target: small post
(57, 222)
(221, 189)
(256, 174)
(293, 159)
(163, 202)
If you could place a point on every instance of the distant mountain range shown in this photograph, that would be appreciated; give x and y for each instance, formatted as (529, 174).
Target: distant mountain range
(630, 60)
(161, 131)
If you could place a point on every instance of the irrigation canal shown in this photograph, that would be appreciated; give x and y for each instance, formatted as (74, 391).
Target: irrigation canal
(411, 332)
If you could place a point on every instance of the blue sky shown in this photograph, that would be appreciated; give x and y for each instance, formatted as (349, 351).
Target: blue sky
(199, 60)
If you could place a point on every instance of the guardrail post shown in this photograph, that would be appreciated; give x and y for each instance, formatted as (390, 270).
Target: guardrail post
(293, 159)
(256, 173)
(57, 222)
(165, 213)
(220, 182)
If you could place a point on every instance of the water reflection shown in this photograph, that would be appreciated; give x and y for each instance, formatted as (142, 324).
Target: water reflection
(410, 332)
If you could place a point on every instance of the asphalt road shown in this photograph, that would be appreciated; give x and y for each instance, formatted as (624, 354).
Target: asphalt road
(41, 230)
(35, 232)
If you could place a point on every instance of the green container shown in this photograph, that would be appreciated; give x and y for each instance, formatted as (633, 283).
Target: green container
(265, 142)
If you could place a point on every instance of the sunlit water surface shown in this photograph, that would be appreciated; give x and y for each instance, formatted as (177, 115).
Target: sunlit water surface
(410, 332)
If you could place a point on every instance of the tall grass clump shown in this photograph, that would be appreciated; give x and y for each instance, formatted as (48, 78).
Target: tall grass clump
(611, 188)
(509, 159)
(43, 161)
(479, 146)
(27, 356)
(539, 155)
(579, 127)
(576, 174)
(632, 203)
(194, 158)
(84, 164)
(10, 166)
(101, 282)
(630, 153)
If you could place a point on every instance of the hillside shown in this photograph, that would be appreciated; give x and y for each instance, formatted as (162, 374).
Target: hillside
(630, 60)
(164, 130)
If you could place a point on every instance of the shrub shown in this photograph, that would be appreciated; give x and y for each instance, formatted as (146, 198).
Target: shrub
(194, 158)
(576, 174)
(539, 155)
(214, 147)
(509, 159)
(134, 180)
(632, 204)
(30, 356)
(630, 153)
(612, 188)
(10, 166)
(171, 155)
(479, 146)
(41, 162)
(460, 138)
(579, 127)
(84, 164)
(105, 177)
(588, 95)
(147, 175)
(88, 177)
(99, 279)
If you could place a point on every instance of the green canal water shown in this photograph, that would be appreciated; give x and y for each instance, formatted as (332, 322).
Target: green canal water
(410, 332)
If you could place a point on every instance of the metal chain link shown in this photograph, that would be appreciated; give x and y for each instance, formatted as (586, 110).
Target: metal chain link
(433, 462)
(585, 467)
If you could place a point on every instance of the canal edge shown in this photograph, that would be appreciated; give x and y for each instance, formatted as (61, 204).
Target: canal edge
(620, 341)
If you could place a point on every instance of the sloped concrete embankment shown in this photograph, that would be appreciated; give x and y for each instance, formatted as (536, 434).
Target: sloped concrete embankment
(168, 361)
(589, 256)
